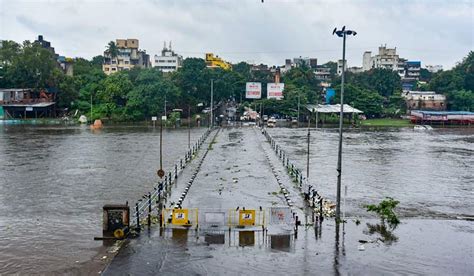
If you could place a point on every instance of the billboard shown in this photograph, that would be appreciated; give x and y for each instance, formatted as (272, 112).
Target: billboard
(330, 93)
(253, 90)
(275, 90)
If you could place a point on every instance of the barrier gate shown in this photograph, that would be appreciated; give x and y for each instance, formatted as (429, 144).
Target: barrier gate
(218, 218)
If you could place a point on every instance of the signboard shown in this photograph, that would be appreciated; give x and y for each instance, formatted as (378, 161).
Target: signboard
(247, 217)
(253, 90)
(214, 218)
(330, 93)
(29, 108)
(180, 217)
(154, 118)
(280, 215)
(275, 90)
(163, 118)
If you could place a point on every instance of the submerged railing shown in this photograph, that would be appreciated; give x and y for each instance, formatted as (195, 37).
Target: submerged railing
(152, 200)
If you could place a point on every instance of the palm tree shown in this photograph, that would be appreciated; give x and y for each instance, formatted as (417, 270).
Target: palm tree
(112, 50)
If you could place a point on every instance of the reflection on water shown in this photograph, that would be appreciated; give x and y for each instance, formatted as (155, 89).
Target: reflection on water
(54, 181)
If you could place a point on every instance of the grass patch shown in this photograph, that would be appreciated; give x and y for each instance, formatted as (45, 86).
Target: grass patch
(386, 122)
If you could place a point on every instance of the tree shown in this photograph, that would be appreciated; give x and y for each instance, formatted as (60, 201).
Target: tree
(369, 101)
(112, 50)
(462, 100)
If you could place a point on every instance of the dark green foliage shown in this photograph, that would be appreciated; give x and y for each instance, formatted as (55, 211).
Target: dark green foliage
(385, 210)
(457, 84)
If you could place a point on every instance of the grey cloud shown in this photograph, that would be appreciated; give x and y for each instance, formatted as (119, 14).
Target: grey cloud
(436, 32)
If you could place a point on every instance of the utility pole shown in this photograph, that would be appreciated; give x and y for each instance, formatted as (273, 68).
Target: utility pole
(212, 103)
(165, 105)
(91, 106)
(307, 157)
(298, 117)
(342, 33)
(189, 126)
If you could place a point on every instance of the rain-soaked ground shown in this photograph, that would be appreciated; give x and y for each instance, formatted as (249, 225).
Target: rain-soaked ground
(430, 239)
(54, 181)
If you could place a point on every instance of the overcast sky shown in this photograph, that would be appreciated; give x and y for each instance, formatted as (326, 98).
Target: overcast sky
(433, 31)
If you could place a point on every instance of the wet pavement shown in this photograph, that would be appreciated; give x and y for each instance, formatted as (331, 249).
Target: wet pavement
(54, 181)
(237, 172)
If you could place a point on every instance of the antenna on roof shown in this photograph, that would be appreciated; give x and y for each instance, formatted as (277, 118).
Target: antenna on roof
(170, 45)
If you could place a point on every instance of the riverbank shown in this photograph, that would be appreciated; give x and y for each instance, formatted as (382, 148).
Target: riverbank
(386, 122)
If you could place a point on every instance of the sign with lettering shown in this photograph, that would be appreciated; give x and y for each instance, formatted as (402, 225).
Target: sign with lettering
(275, 90)
(253, 90)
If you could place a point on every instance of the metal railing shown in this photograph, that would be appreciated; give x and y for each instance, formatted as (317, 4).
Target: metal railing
(145, 206)
(311, 195)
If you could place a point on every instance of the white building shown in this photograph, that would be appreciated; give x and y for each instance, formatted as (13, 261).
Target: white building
(434, 68)
(168, 61)
(339, 67)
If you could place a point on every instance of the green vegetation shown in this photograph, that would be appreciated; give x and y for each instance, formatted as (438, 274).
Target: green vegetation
(138, 94)
(457, 84)
(385, 210)
(386, 122)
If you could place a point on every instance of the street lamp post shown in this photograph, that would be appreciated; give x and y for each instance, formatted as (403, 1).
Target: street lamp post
(212, 103)
(341, 33)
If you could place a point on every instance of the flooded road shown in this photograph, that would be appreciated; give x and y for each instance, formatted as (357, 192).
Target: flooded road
(54, 181)
(430, 172)
(427, 244)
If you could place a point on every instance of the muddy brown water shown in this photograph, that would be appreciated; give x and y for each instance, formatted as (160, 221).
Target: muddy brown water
(54, 181)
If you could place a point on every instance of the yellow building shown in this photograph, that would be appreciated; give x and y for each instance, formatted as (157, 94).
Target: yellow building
(215, 61)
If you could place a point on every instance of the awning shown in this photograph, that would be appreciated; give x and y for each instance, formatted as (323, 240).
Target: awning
(331, 108)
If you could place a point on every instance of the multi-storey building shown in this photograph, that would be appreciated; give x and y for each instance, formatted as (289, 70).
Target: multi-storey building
(412, 69)
(215, 61)
(339, 67)
(387, 58)
(434, 68)
(168, 61)
(128, 56)
(424, 100)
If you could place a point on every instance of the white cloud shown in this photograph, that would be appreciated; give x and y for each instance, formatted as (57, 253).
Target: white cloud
(435, 32)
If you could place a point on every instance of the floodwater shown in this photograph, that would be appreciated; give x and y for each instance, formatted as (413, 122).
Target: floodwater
(431, 173)
(430, 240)
(54, 181)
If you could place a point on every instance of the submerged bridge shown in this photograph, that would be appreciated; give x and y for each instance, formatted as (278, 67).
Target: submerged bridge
(234, 186)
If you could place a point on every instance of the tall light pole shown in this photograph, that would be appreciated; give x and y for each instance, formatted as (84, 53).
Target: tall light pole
(298, 116)
(212, 103)
(341, 33)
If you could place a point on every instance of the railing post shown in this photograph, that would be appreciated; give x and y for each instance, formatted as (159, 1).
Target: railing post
(170, 179)
(181, 163)
(138, 217)
(149, 209)
(175, 171)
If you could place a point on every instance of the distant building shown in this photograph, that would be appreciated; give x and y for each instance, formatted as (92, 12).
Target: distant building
(215, 61)
(168, 61)
(412, 69)
(339, 67)
(355, 69)
(424, 100)
(387, 58)
(66, 64)
(323, 73)
(128, 57)
(299, 62)
(434, 68)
